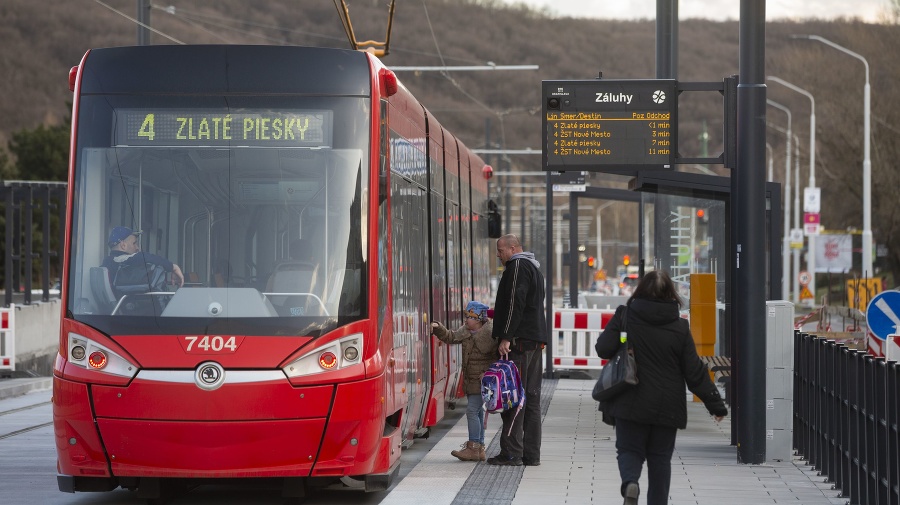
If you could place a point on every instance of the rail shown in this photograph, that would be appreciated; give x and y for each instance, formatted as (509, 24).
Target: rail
(846, 416)
(30, 208)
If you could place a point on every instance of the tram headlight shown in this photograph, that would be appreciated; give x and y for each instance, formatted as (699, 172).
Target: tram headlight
(334, 355)
(77, 352)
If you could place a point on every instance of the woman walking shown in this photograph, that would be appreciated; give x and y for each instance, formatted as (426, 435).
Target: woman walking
(648, 415)
(479, 350)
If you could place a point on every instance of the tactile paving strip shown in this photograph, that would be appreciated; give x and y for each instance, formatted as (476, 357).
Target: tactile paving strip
(497, 485)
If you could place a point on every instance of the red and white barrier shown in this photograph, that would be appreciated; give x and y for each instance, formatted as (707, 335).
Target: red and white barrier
(891, 348)
(8, 338)
(875, 346)
(575, 332)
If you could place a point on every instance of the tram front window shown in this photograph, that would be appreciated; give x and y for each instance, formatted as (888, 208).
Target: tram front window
(261, 205)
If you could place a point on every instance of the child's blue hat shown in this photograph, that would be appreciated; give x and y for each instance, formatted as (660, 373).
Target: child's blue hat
(477, 310)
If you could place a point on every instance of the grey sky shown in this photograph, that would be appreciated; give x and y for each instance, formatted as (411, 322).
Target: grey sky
(868, 10)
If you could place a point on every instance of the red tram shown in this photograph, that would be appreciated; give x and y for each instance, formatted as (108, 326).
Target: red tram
(321, 218)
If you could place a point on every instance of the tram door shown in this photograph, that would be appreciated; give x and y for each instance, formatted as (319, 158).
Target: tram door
(410, 297)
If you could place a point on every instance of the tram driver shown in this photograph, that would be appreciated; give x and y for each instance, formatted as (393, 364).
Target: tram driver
(132, 271)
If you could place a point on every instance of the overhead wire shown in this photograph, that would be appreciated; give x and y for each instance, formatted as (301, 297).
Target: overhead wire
(135, 21)
(171, 10)
(500, 114)
(220, 22)
(199, 17)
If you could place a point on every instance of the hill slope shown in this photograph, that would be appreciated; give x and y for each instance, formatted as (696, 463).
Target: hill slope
(42, 40)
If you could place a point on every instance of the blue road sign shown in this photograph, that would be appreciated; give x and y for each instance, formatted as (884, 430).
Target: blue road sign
(883, 314)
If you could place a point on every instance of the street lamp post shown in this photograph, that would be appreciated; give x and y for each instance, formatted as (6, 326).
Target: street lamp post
(811, 253)
(867, 162)
(786, 242)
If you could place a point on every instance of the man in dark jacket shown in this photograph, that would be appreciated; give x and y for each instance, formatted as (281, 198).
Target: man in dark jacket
(520, 325)
(130, 269)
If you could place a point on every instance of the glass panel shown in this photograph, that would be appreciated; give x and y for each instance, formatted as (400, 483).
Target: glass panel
(688, 239)
(258, 201)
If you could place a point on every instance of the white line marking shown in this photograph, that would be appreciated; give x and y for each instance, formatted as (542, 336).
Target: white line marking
(881, 304)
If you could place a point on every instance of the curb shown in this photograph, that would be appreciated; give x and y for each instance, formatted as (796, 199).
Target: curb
(17, 387)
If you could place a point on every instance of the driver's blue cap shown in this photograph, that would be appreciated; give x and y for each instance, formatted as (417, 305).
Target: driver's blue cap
(120, 233)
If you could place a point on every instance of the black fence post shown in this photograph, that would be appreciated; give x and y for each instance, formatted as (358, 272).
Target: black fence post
(9, 278)
(28, 252)
(893, 444)
(847, 418)
(20, 199)
(45, 246)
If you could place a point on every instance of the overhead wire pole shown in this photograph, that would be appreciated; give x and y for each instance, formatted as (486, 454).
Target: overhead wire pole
(666, 68)
(786, 247)
(867, 270)
(811, 250)
(143, 25)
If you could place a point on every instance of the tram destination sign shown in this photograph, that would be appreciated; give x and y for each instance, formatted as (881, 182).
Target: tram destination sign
(214, 127)
(613, 126)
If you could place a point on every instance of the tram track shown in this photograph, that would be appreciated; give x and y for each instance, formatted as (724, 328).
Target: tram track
(24, 424)
(25, 430)
(20, 409)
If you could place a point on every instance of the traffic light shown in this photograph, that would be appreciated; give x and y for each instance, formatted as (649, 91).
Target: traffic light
(626, 260)
(590, 262)
(702, 215)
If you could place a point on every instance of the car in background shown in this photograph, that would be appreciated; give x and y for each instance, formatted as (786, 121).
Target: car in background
(627, 284)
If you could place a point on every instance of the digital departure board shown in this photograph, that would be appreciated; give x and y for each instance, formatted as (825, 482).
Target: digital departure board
(209, 127)
(614, 126)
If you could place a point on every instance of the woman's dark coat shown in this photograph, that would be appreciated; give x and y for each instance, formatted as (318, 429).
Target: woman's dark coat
(666, 360)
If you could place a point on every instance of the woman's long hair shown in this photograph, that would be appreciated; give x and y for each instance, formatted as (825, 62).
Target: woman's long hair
(657, 285)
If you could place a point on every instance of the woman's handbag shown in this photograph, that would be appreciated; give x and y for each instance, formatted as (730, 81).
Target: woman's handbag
(620, 373)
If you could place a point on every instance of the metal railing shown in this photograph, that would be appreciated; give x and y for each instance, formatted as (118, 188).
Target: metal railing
(846, 418)
(22, 203)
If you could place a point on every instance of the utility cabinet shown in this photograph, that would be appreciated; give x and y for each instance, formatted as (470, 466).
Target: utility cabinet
(779, 380)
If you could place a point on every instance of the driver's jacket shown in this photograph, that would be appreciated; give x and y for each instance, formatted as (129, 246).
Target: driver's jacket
(131, 273)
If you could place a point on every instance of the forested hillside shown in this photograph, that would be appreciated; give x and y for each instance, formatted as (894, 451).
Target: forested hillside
(43, 39)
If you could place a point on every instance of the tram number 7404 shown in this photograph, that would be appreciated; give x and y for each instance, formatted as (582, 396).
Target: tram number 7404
(209, 343)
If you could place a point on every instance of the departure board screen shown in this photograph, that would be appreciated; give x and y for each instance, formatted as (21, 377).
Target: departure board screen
(196, 128)
(614, 126)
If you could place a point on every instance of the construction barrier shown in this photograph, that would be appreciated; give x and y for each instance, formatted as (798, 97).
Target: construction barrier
(889, 348)
(575, 333)
(8, 339)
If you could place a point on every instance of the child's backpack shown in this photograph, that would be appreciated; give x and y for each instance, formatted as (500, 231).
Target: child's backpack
(501, 388)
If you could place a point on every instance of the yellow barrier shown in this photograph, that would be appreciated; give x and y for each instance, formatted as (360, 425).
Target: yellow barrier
(866, 288)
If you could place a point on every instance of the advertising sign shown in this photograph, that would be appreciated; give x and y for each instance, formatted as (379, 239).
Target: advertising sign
(834, 253)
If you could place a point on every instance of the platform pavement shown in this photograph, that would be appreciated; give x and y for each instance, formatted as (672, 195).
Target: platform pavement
(578, 465)
(15, 387)
(578, 462)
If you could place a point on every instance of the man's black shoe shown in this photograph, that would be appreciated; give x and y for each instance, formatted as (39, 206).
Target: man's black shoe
(504, 461)
(528, 462)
